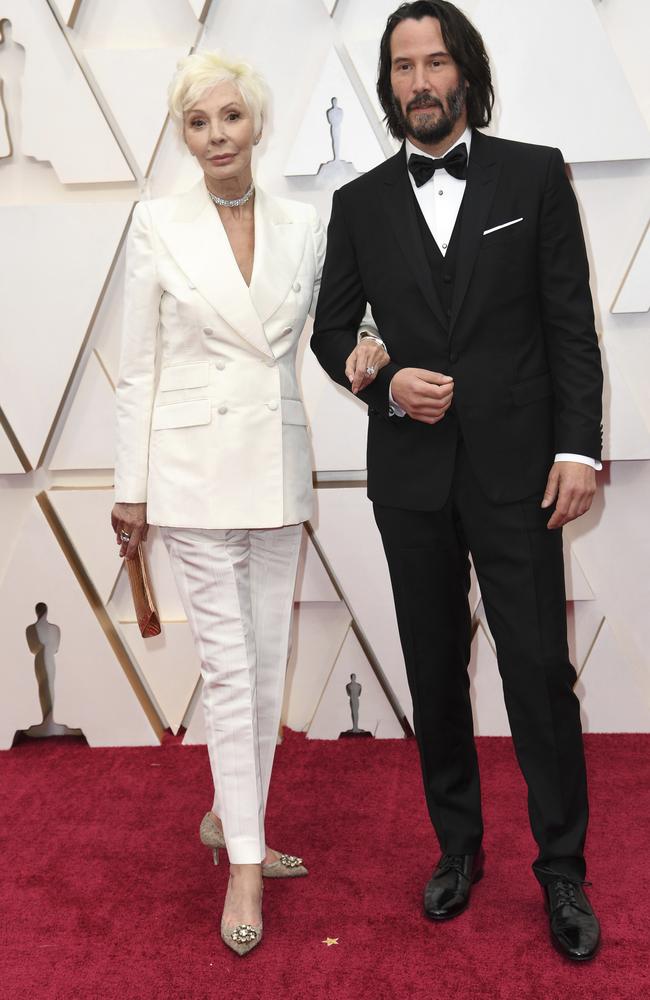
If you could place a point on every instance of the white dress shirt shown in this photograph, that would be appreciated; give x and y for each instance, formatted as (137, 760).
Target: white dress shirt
(440, 199)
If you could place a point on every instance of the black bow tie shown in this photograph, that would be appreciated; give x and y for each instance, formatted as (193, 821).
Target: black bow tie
(424, 167)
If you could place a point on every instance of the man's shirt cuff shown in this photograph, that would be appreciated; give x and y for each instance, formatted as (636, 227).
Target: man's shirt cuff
(394, 410)
(583, 459)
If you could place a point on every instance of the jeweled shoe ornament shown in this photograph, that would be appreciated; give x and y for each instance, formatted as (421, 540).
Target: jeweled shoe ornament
(244, 934)
(287, 865)
(290, 861)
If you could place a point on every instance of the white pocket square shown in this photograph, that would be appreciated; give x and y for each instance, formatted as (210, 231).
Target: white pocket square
(502, 226)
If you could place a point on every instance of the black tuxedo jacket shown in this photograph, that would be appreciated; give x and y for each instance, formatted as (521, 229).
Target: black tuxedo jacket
(519, 342)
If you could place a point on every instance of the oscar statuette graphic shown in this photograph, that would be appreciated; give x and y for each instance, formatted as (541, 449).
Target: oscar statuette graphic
(354, 690)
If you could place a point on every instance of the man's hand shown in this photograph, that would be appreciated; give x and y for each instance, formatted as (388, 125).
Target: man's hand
(130, 518)
(423, 395)
(367, 354)
(571, 485)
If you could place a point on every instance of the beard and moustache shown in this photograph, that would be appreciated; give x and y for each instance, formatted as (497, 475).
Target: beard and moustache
(431, 130)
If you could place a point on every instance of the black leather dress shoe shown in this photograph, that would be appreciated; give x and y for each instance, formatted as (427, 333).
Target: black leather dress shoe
(447, 891)
(575, 930)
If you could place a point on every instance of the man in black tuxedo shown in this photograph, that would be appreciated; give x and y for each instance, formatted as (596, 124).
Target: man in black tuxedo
(484, 403)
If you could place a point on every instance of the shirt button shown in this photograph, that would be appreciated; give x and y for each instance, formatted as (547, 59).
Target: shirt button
(220, 365)
(440, 192)
(296, 286)
(222, 410)
(208, 331)
(444, 246)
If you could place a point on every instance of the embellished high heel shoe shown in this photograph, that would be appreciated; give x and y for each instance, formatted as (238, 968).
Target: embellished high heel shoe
(286, 866)
(242, 938)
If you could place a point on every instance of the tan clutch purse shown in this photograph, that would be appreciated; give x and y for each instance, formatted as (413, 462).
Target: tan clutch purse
(145, 608)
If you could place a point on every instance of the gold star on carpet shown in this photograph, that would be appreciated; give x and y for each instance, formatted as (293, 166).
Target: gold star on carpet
(330, 941)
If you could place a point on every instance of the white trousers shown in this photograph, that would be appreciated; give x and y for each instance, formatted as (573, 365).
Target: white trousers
(237, 590)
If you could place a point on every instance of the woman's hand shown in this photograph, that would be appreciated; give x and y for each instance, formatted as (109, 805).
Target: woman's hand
(366, 360)
(130, 518)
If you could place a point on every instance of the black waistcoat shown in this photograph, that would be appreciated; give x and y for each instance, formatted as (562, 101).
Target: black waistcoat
(443, 268)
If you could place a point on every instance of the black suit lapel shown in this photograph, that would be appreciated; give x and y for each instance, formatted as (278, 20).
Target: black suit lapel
(399, 203)
(482, 177)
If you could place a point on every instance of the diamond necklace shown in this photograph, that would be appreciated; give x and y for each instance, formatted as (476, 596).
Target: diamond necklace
(233, 202)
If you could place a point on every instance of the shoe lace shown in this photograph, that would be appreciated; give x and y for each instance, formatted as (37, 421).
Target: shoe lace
(565, 890)
(453, 862)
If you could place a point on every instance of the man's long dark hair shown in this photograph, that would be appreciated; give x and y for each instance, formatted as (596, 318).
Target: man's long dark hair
(466, 48)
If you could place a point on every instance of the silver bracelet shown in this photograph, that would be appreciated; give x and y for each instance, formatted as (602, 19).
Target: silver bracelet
(364, 335)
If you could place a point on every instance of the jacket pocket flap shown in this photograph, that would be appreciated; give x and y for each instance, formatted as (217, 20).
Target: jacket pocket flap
(293, 412)
(190, 413)
(192, 376)
(532, 389)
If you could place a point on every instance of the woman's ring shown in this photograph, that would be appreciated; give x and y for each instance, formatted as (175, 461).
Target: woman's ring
(370, 370)
(124, 536)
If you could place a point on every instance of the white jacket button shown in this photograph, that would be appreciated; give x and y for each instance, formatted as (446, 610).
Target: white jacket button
(220, 365)
(287, 332)
(272, 404)
(296, 286)
(208, 331)
(222, 410)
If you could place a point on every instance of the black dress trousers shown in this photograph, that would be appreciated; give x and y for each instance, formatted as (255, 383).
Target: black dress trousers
(520, 570)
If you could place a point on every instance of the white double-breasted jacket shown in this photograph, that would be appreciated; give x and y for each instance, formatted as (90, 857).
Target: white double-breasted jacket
(211, 429)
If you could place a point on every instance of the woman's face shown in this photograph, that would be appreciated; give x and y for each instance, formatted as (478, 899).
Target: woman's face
(218, 131)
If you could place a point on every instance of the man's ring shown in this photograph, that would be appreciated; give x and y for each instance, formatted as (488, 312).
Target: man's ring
(370, 370)
(124, 536)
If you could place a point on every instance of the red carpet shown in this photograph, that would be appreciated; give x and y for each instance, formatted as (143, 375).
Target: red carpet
(106, 891)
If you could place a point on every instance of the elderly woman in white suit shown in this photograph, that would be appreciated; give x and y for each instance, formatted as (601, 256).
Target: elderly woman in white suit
(213, 443)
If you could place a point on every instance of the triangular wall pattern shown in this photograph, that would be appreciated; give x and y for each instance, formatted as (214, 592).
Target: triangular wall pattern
(91, 691)
(85, 515)
(134, 82)
(313, 146)
(312, 581)
(318, 634)
(364, 53)
(333, 715)
(200, 8)
(170, 666)
(9, 461)
(634, 295)
(32, 382)
(349, 553)
(62, 122)
(625, 434)
(577, 585)
(68, 9)
(584, 621)
(338, 421)
(611, 697)
(525, 41)
(87, 439)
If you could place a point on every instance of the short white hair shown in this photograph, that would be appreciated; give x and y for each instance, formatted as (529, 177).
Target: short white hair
(204, 70)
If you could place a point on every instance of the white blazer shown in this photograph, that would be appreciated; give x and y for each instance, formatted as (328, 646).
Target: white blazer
(211, 428)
